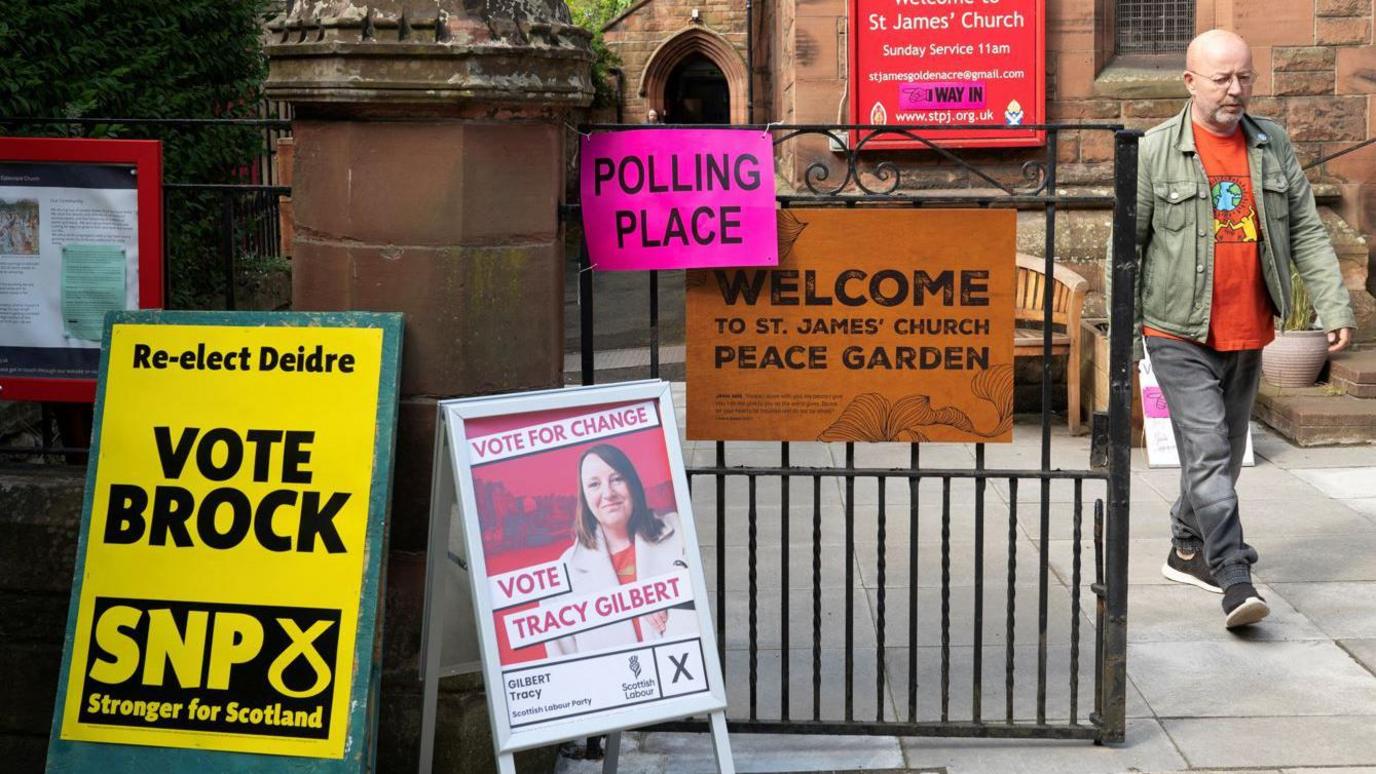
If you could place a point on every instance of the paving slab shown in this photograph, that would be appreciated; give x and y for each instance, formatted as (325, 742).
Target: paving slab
(1274, 741)
(769, 526)
(692, 753)
(1146, 748)
(1364, 651)
(898, 519)
(1342, 483)
(995, 625)
(1283, 454)
(633, 760)
(1329, 770)
(1267, 481)
(899, 455)
(1231, 771)
(767, 493)
(962, 553)
(1164, 481)
(1261, 481)
(931, 493)
(832, 690)
(1149, 517)
(1261, 517)
(1244, 678)
(1316, 558)
(1145, 557)
(1066, 452)
(1363, 505)
(1284, 516)
(1061, 491)
(994, 684)
(769, 562)
(1180, 613)
(1341, 610)
(769, 620)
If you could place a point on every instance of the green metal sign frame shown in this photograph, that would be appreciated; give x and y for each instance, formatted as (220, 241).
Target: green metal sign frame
(360, 749)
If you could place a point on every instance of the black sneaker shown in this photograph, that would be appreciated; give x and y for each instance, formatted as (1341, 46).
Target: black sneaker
(1243, 605)
(1193, 571)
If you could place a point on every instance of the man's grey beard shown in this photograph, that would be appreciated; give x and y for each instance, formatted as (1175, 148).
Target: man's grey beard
(1223, 118)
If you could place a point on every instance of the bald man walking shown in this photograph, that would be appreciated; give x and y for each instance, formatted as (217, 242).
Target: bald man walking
(1223, 213)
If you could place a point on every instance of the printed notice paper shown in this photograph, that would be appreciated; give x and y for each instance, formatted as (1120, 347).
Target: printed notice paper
(92, 284)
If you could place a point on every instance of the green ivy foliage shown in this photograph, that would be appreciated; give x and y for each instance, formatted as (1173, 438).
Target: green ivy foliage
(147, 59)
(593, 15)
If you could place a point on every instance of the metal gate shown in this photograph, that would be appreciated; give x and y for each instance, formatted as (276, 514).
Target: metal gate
(893, 635)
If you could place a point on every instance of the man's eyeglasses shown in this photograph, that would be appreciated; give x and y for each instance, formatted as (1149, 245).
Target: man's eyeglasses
(1244, 80)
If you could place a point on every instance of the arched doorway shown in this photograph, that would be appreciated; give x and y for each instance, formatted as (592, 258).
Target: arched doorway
(696, 92)
(696, 76)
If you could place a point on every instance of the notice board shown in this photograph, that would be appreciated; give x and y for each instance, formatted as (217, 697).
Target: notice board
(225, 601)
(952, 63)
(877, 325)
(80, 235)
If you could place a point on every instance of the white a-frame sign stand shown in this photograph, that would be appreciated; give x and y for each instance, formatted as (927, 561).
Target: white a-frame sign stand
(564, 566)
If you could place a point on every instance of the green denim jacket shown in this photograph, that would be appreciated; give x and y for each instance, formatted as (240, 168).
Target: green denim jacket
(1175, 238)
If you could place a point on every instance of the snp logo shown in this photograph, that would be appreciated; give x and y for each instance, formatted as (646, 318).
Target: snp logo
(267, 652)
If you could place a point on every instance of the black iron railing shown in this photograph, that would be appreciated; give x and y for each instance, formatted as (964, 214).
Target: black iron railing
(849, 178)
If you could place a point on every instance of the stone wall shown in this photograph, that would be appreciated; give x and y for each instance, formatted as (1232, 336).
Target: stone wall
(40, 517)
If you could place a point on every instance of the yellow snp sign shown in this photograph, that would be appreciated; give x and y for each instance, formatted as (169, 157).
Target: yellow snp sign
(226, 595)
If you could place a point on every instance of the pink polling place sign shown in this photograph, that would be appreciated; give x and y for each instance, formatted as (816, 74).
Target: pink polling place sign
(678, 199)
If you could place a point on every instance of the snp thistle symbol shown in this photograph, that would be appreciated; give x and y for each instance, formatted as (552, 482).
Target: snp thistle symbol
(635, 666)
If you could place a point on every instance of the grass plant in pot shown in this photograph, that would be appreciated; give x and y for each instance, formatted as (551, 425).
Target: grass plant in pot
(1300, 349)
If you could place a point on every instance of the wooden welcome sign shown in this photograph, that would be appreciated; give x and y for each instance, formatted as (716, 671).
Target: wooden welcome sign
(877, 325)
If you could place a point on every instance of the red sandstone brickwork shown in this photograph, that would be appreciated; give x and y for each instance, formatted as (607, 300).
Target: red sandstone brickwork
(639, 33)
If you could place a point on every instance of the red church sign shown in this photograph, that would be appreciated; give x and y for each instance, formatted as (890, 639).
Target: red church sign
(956, 63)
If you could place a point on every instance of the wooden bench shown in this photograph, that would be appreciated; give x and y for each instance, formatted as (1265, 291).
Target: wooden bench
(1068, 298)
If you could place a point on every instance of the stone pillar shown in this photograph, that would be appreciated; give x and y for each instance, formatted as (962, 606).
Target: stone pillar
(429, 169)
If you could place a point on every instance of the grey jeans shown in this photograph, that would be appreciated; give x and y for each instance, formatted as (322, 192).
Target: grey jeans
(1210, 396)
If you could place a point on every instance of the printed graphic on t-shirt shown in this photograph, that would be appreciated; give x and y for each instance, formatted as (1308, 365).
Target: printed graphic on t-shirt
(1235, 219)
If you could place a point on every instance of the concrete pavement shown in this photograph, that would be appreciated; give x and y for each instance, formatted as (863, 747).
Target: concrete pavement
(1297, 693)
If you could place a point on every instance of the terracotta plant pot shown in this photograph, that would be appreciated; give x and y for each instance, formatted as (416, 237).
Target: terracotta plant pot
(1295, 358)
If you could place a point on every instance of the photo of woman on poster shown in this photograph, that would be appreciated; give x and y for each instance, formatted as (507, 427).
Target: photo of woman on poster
(618, 539)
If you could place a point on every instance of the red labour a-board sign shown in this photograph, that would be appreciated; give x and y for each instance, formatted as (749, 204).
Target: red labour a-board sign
(953, 63)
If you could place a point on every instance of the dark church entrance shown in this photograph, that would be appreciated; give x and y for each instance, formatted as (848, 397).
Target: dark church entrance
(696, 93)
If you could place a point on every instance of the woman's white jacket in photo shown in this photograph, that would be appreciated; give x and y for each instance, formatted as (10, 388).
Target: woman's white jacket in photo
(590, 569)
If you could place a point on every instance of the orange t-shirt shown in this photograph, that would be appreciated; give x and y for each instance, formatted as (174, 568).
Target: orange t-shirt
(1242, 316)
(623, 562)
